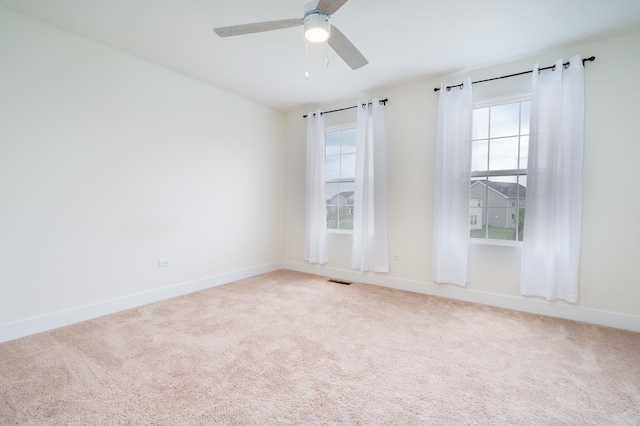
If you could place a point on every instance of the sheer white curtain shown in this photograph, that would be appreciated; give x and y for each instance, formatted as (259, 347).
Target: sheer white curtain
(369, 251)
(452, 185)
(552, 230)
(315, 211)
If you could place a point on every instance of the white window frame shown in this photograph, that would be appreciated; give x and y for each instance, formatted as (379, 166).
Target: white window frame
(502, 100)
(338, 128)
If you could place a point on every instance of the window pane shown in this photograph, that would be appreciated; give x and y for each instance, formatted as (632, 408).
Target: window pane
(332, 143)
(503, 154)
(522, 180)
(346, 217)
(345, 208)
(481, 123)
(521, 216)
(503, 191)
(525, 113)
(505, 120)
(524, 152)
(522, 192)
(332, 167)
(501, 224)
(340, 205)
(348, 166)
(332, 217)
(331, 193)
(347, 189)
(497, 203)
(479, 155)
(478, 192)
(476, 208)
(340, 165)
(342, 197)
(348, 141)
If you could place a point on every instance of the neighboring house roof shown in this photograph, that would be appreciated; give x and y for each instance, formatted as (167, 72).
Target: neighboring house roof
(346, 195)
(506, 189)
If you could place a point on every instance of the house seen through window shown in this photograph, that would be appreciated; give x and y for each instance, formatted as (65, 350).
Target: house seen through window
(499, 170)
(340, 172)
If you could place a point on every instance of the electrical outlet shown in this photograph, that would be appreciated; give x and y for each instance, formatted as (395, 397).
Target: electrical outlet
(395, 257)
(163, 263)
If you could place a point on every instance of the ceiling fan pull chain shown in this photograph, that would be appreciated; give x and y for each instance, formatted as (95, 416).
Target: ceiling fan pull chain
(306, 61)
(327, 53)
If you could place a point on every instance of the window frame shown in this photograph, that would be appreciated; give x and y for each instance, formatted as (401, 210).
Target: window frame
(491, 102)
(339, 128)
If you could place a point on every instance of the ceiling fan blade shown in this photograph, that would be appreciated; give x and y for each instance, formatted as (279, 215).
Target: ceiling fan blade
(346, 50)
(257, 27)
(330, 6)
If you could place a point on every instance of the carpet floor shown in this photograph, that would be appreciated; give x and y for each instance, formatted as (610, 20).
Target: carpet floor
(291, 348)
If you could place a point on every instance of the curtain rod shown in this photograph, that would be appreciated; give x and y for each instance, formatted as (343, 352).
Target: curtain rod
(566, 64)
(381, 102)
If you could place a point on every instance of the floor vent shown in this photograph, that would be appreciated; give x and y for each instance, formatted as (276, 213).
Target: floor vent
(339, 282)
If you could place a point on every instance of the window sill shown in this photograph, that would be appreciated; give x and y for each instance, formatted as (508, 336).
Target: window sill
(486, 242)
(340, 231)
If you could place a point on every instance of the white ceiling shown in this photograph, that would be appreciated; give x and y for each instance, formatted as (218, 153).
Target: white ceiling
(402, 39)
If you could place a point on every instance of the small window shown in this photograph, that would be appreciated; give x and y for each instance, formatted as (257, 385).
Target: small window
(340, 172)
(499, 169)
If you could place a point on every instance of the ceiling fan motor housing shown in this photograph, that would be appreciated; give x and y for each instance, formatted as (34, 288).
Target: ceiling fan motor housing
(316, 24)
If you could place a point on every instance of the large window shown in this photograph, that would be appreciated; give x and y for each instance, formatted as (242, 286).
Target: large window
(499, 170)
(340, 172)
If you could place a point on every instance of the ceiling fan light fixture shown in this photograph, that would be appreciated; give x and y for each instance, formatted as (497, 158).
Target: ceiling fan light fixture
(316, 27)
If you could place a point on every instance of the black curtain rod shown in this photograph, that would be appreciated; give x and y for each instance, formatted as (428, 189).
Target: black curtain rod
(381, 102)
(566, 64)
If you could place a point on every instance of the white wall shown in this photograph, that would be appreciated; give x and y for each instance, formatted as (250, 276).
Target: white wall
(611, 231)
(109, 163)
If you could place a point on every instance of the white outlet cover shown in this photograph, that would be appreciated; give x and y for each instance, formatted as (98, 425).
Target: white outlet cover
(163, 263)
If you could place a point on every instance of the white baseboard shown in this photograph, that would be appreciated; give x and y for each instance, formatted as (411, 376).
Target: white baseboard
(47, 322)
(54, 320)
(534, 306)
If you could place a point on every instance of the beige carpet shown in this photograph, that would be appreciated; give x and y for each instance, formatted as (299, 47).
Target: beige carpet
(289, 348)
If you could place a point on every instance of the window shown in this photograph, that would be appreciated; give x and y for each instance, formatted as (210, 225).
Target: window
(340, 172)
(499, 169)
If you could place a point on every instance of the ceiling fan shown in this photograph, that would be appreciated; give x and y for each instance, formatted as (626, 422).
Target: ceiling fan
(317, 28)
